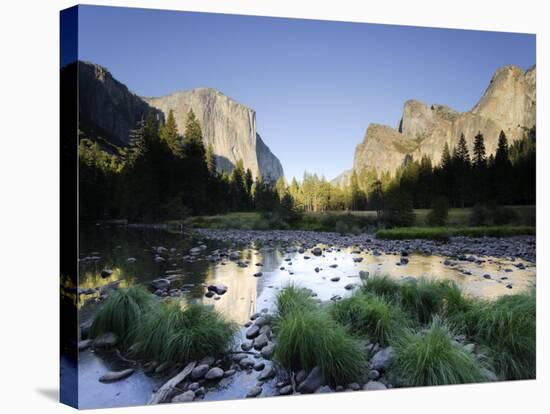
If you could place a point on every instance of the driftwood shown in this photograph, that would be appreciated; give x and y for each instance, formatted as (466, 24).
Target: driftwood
(168, 388)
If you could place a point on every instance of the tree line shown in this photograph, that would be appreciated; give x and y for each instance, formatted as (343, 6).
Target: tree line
(164, 175)
(462, 178)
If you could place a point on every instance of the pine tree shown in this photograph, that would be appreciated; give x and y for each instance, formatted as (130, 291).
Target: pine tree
(248, 182)
(210, 160)
(169, 134)
(479, 181)
(461, 171)
(446, 157)
(502, 171)
(480, 156)
(195, 173)
(461, 153)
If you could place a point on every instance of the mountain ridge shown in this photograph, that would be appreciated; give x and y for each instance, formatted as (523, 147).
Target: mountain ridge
(108, 111)
(508, 104)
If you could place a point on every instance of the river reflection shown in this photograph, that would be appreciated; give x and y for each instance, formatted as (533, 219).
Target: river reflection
(112, 248)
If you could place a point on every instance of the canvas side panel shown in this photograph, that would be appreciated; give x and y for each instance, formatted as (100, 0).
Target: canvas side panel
(69, 206)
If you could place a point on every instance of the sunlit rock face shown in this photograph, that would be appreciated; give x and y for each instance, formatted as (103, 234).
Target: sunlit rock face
(226, 124)
(508, 104)
(108, 111)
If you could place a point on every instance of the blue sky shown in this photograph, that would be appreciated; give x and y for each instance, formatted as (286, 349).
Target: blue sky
(315, 85)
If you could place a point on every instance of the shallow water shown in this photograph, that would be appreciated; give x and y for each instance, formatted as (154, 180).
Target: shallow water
(110, 248)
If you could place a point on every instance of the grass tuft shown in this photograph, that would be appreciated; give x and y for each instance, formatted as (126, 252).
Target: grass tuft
(425, 298)
(293, 299)
(507, 328)
(370, 316)
(382, 286)
(173, 333)
(431, 358)
(121, 312)
(309, 339)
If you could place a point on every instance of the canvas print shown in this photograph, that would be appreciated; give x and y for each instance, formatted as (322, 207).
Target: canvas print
(257, 207)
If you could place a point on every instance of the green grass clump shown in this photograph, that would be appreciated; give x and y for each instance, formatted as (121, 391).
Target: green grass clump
(431, 358)
(309, 339)
(444, 233)
(382, 286)
(507, 327)
(370, 316)
(122, 312)
(173, 333)
(293, 299)
(425, 298)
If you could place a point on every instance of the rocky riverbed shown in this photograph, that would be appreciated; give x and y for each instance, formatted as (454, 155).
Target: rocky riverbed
(519, 247)
(240, 273)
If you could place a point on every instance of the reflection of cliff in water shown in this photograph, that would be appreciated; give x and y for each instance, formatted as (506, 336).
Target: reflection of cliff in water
(239, 302)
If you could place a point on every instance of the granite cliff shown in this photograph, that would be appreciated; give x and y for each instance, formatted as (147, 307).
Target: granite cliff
(226, 124)
(108, 110)
(508, 104)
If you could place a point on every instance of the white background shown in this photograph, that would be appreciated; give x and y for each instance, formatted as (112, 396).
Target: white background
(29, 206)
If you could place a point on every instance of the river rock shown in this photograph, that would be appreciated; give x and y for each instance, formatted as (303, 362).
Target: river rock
(335, 279)
(316, 251)
(259, 366)
(214, 374)
(286, 390)
(247, 346)
(160, 284)
(374, 374)
(84, 344)
(106, 273)
(382, 359)
(254, 392)
(187, 396)
(267, 351)
(106, 340)
(116, 375)
(234, 256)
(314, 380)
(261, 341)
(218, 288)
(357, 259)
(268, 373)
(253, 332)
(229, 373)
(258, 274)
(199, 372)
(374, 386)
(195, 251)
(247, 362)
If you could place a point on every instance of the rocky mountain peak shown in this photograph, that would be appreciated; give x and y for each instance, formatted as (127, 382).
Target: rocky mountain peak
(508, 104)
(109, 110)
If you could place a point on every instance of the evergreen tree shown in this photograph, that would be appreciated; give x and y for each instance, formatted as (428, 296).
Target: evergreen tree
(479, 181)
(502, 171)
(461, 171)
(169, 134)
(480, 157)
(211, 160)
(195, 172)
(248, 182)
